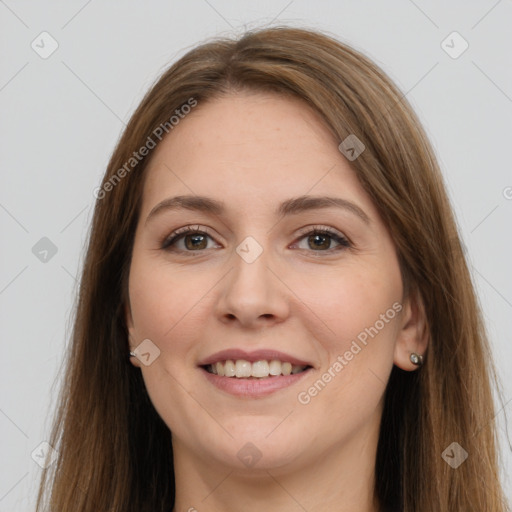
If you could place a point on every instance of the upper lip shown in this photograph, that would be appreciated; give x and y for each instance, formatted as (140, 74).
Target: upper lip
(256, 355)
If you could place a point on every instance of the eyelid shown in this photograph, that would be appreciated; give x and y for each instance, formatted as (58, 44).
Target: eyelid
(319, 227)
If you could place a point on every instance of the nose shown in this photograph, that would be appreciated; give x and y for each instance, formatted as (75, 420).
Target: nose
(253, 294)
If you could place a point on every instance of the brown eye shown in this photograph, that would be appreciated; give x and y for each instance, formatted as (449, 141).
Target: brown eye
(320, 240)
(193, 238)
(195, 241)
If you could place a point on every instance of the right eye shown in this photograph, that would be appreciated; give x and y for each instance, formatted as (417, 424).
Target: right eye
(194, 239)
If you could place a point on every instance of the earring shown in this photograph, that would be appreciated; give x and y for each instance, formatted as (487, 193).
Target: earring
(132, 354)
(416, 359)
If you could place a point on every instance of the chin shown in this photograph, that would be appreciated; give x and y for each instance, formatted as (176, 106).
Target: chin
(263, 448)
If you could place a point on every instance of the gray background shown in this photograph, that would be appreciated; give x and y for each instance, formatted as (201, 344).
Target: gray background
(62, 115)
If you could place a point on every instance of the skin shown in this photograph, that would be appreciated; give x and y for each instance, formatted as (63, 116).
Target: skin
(253, 151)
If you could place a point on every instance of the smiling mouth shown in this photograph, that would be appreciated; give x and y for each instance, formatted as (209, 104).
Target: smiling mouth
(242, 369)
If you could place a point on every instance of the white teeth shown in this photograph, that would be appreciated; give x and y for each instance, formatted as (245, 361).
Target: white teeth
(229, 368)
(220, 369)
(286, 368)
(275, 367)
(259, 369)
(243, 368)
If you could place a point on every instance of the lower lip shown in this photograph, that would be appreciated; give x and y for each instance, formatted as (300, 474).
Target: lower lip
(253, 387)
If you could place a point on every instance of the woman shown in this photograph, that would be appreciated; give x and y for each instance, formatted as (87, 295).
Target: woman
(275, 311)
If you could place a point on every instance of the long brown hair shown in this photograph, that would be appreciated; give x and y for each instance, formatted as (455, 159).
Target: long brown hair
(115, 452)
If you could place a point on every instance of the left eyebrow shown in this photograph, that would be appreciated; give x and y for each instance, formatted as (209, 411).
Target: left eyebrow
(291, 206)
(304, 203)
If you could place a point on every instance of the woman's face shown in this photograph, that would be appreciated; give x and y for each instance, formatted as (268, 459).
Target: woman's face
(252, 283)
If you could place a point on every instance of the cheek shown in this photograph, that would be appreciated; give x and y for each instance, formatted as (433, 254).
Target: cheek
(357, 346)
(163, 300)
(358, 322)
(167, 309)
(353, 298)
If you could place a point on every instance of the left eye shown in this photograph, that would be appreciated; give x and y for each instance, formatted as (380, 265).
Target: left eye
(196, 240)
(320, 238)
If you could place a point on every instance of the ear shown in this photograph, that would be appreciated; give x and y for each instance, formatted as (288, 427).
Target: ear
(413, 334)
(131, 332)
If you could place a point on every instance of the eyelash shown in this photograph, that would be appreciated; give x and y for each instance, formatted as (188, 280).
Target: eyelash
(169, 241)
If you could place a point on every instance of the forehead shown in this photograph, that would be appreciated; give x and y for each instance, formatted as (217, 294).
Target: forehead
(250, 148)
